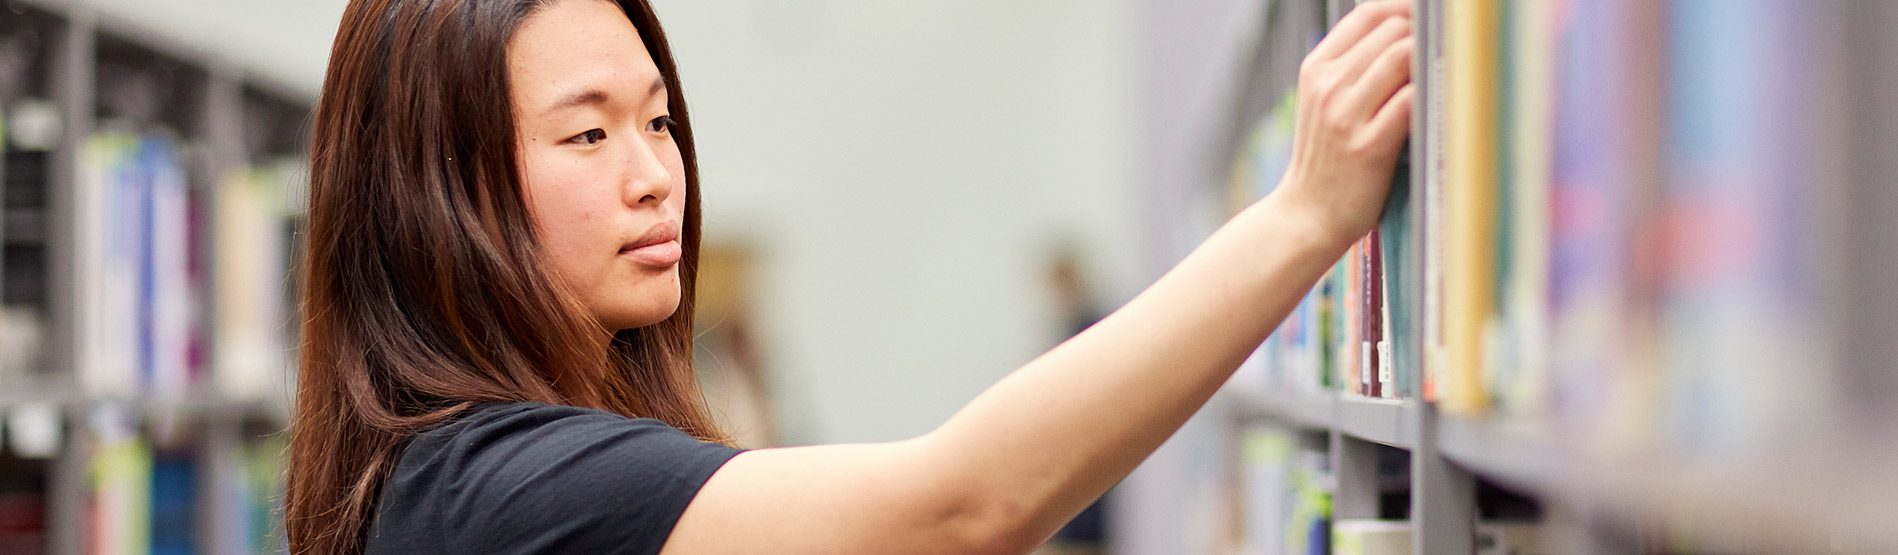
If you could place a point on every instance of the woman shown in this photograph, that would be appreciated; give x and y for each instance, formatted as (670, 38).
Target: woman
(503, 227)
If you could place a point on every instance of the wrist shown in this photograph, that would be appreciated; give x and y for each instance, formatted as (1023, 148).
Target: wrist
(1308, 221)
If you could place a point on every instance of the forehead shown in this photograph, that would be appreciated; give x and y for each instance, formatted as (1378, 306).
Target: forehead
(570, 45)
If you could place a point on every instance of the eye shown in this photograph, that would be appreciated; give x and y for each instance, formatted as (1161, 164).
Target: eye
(591, 137)
(664, 124)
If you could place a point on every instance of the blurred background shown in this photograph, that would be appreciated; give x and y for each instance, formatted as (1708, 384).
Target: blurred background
(1672, 217)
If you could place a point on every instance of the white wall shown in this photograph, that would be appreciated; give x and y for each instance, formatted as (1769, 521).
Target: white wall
(284, 42)
(906, 167)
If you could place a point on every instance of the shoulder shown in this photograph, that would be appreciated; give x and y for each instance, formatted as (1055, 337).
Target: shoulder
(549, 478)
(507, 444)
(497, 429)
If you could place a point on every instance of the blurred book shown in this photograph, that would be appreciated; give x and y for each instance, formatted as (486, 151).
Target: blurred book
(23, 505)
(174, 489)
(1371, 537)
(251, 317)
(1285, 508)
(136, 302)
(1733, 284)
(119, 498)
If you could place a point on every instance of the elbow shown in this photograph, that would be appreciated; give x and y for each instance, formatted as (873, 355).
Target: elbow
(997, 525)
(977, 510)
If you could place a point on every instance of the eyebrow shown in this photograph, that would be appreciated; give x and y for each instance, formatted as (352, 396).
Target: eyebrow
(592, 97)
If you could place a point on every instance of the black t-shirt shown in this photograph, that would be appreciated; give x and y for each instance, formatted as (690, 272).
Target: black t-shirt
(520, 478)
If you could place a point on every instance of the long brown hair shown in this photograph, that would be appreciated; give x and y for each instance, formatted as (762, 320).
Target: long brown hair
(422, 291)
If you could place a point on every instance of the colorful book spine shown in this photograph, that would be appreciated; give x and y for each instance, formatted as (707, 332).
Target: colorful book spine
(119, 506)
(1371, 321)
(174, 505)
(1354, 318)
(1737, 301)
(1469, 270)
(106, 268)
(1400, 241)
(171, 301)
(136, 306)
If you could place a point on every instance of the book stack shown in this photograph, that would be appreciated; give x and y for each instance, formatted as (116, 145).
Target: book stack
(145, 329)
(137, 296)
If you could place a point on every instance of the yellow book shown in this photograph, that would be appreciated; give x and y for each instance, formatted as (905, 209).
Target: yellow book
(1470, 168)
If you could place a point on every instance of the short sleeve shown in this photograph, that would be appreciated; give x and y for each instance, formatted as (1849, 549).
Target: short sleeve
(530, 478)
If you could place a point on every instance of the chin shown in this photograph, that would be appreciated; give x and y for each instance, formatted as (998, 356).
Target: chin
(641, 313)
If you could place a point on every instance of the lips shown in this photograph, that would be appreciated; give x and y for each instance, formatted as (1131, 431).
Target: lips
(658, 247)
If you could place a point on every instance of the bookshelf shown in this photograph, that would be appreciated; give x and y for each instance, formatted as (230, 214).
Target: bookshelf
(147, 228)
(1624, 287)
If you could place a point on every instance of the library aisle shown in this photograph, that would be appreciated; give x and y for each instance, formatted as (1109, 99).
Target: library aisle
(1629, 294)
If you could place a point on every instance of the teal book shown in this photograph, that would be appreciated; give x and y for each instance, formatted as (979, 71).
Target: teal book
(1402, 256)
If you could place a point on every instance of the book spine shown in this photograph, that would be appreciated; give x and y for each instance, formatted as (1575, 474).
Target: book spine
(1353, 298)
(1469, 197)
(1371, 325)
(1378, 313)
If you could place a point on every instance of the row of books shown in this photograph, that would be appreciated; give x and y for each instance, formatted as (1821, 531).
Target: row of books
(1343, 335)
(151, 252)
(1285, 483)
(1630, 194)
(1614, 224)
(144, 500)
(141, 499)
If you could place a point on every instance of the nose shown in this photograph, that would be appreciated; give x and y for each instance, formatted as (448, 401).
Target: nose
(645, 179)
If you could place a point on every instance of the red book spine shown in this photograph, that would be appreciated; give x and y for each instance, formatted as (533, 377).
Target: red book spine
(1372, 318)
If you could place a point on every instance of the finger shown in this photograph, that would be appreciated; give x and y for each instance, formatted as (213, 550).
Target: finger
(1359, 22)
(1390, 71)
(1392, 122)
(1352, 64)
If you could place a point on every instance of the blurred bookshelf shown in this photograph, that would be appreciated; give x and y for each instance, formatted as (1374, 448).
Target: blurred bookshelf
(1627, 297)
(148, 226)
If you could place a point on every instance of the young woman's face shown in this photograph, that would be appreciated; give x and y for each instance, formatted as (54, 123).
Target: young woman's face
(604, 180)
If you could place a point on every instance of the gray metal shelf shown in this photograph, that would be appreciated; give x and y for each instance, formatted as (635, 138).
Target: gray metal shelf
(1386, 421)
(1701, 502)
(1518, 454)
(1311, 411)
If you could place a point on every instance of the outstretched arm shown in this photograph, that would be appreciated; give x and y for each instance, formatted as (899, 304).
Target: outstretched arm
(1007, 470)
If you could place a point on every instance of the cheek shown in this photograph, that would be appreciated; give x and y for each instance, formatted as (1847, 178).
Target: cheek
(567, 212)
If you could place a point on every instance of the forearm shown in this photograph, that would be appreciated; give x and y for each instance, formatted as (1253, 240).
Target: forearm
(1062, 429)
